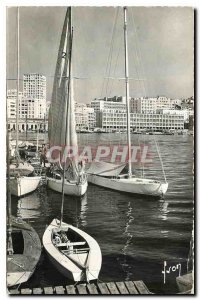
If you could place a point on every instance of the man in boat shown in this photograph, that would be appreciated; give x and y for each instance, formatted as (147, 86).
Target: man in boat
(57, 239)
(63, 237)
(43, 154)
(81, 169)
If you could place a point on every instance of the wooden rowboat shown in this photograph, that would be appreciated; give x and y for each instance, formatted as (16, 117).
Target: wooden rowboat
(72, 251)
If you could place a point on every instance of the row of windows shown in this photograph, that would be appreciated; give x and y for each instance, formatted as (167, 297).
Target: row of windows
(149, 118)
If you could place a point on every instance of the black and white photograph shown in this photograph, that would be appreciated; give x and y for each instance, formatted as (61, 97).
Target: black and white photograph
(99, 129)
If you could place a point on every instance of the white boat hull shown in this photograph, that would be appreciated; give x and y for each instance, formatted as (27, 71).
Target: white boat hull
(23, 169)
(131, 185)
(70, 188)
(64, 264)
(23, 185)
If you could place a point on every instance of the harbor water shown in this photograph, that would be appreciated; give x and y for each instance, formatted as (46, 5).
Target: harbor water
(136, 234)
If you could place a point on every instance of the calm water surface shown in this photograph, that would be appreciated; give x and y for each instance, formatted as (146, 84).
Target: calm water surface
(136, 234)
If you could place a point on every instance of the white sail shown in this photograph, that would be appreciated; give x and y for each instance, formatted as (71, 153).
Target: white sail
(62, 127)
(106, 169)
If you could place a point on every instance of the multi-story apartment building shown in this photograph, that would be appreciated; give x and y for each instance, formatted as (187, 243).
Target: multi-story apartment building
(34, 86)
(109, 103)
(150, 105)
(11, 102)
(85, 116)
(114, 119)
(34, 91)
(186, 113)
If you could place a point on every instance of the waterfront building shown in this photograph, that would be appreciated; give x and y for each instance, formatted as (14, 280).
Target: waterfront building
(109, 103)
(34, 92)
(115, 119)
(27, 107)
(85, 116)
(150, 105)
(28, 124)
(34, 86)
(11, 102)
(184, 112)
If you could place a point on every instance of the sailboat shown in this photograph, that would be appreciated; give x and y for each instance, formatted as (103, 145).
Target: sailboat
(23, 243)
(22, 180)
(62, 127)
(73, 252)
(111, 178)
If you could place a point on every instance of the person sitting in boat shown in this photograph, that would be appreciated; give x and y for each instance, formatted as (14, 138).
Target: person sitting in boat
(57, 239)
(63, 237)
(43, 155)
(81, 170)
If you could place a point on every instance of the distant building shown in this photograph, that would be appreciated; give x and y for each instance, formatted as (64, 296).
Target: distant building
(11, 102)
(34, 86)
(85, 116)
(31, 103)
(27, 124)
(34, 92)
(150, 105)
(109, 103)
(114, 119)
(184, 112)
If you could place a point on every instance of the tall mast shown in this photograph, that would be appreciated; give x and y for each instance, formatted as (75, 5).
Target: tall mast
(127, 93)
(17, 102)
(69, 95)
(9, 211)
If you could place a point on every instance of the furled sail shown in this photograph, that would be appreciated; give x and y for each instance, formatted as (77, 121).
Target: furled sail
(62, 127)
(103, 168)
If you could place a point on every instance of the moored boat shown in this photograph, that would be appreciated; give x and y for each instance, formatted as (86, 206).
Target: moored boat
(22, 185)
(72, 251)
(127, 183)
(23, 252)
(62, 124)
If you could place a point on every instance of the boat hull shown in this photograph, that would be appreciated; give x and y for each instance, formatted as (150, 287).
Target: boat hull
(70, 188)
(131, 185)
(20, 267)
(23, 169)
(23, 185)
(64, 264)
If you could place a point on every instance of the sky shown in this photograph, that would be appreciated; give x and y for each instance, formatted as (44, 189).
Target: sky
(160, 43)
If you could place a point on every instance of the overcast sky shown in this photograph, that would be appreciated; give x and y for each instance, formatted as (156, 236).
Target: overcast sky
(160, 44)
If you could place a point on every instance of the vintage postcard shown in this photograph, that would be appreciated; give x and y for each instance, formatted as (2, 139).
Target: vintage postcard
(100, 149)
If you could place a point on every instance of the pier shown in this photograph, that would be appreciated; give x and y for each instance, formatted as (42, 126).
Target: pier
(99, 288)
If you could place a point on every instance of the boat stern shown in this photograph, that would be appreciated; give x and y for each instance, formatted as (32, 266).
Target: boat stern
(164, 187)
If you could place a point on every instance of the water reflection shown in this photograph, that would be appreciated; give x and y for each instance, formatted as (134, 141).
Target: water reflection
(127, 234)
(28, 207)
(81, 217)
(163, 208)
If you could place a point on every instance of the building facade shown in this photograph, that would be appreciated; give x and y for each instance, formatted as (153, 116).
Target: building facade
(11, 103)
(150, 105)
(25, 124)
(113, 119)
(109, 103)
(85, 116)
(34, 86)
(34, 92)
(186, 113)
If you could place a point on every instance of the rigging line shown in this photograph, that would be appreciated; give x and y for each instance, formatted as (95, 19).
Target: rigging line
(160, 157)
(138, 54)
(111, 51)
(140, 155)
(137, 65)
(116, 62)
(116, 15)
